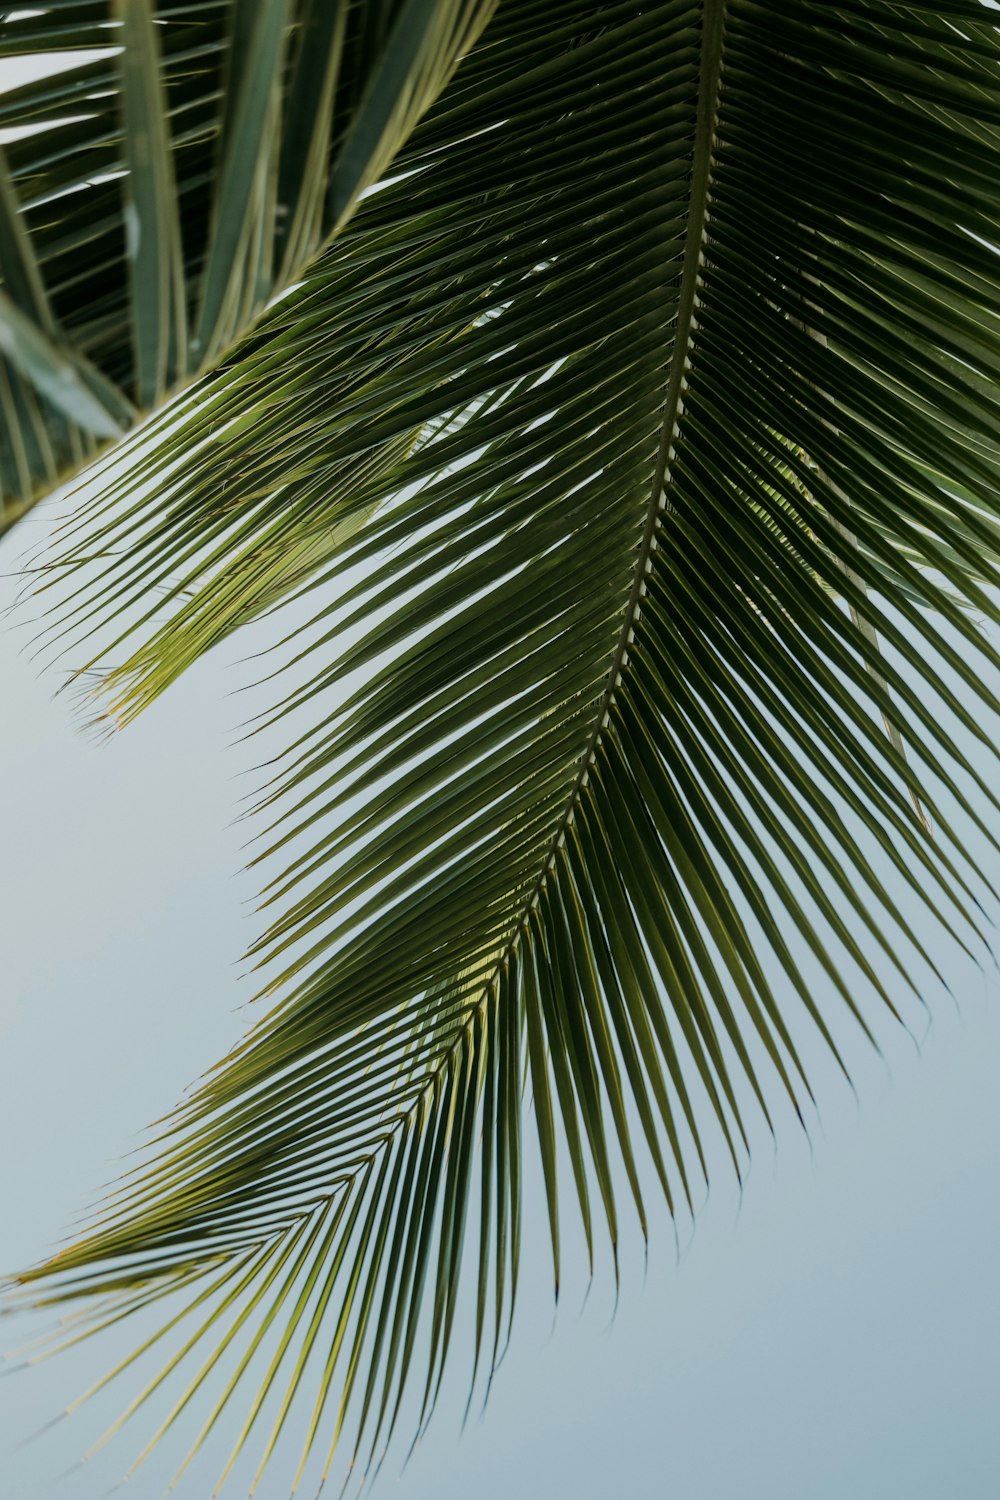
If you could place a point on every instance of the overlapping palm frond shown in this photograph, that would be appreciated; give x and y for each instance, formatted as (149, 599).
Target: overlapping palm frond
(657, 378)
(158, 193)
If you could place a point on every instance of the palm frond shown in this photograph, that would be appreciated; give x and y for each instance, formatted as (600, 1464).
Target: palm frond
(657, 378)
(158, 193)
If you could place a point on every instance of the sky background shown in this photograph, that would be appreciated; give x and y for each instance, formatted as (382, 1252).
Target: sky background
(833, 1332)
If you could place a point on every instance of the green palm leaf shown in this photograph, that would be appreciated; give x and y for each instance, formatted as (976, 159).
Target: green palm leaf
(160, 192)
(599, 447)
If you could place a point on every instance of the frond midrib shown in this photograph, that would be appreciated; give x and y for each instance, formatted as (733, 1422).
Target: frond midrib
(703, 148)
(710, 76)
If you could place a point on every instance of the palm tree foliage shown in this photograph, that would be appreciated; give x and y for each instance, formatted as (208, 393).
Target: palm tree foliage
(198, 159)
(599, 447)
